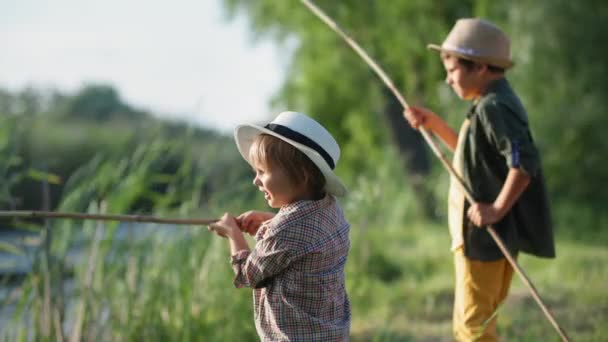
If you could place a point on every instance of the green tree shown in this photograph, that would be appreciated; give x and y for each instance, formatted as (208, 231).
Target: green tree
(564, 72)
(329, 81)
(99, 103)
(560, 73)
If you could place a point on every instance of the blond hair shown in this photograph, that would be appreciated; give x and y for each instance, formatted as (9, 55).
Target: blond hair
(269, 151)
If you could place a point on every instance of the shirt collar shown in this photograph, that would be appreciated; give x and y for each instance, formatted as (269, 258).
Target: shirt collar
(471, 111)
(305, 205)
(496, 86)
(290, 212)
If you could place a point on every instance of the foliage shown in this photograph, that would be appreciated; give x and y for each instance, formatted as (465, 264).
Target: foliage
(99, 103)
(102, 280)
(69, 130)
(564, 77)
(327, 80)
(9, 130)
(144, 282)
(175, 283)
(560, 74)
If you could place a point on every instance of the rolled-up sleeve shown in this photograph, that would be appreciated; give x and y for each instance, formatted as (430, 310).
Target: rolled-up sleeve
(238, 260)
(256, 268)
(510, 136)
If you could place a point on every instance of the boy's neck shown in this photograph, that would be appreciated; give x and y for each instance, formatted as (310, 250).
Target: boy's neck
(485, 82)
(309, 197)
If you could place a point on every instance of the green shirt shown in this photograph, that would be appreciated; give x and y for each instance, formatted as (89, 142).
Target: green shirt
(498, 139)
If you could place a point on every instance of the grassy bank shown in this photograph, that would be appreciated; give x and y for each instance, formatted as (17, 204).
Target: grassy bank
(417, 304)
(166, 283)
(177, 285)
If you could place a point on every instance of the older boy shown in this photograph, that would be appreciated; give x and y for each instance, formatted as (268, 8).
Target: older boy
(496, 157)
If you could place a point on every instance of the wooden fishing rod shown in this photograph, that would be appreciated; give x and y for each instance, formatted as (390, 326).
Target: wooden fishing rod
(389, 83)
(104, 217)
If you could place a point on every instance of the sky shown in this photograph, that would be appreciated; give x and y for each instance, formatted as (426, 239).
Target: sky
(180, 59)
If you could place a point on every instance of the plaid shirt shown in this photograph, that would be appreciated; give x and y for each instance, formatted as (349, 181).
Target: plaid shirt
(297, 272)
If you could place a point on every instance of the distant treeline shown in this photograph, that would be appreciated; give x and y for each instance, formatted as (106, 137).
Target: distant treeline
(48, 137)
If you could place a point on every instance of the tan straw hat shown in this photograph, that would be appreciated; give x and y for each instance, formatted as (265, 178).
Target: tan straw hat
(479, 41)
(305, 134)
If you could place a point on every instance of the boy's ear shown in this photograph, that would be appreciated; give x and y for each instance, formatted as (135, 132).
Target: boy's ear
(307, 182)
(306, 179)
(481, 68)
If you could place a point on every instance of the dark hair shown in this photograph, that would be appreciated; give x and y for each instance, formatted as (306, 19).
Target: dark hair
(270, 151)
(470, 65)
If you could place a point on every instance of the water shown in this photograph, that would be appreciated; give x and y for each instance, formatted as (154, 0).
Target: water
(17, 262)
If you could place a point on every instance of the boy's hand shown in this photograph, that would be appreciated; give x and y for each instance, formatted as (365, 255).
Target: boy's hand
(482, 214)
(250, 221)
(417, 116)
(225, 227)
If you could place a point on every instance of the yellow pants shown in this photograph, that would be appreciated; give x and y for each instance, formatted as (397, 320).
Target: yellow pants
(480, 288)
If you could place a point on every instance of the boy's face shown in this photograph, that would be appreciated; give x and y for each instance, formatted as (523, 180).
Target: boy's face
(275, 184)
(467, 84)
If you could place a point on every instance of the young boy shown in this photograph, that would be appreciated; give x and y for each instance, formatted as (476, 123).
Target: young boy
(496, 157)
(297, 266)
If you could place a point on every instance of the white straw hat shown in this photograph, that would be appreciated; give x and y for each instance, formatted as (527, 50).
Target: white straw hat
(306, 135)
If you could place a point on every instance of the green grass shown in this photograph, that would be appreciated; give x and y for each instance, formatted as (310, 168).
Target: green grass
(399, 279)
(176, 283)
(417, 305)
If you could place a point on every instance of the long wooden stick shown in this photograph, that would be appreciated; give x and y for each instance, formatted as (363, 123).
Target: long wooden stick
(387, 81)
(103, 217)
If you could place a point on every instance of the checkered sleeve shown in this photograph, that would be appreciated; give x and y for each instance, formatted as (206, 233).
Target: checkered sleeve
(238, 260)
(271, 255)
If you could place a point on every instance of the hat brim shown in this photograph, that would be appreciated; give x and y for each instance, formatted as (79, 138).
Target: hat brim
(245, 134)
(499, 62)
